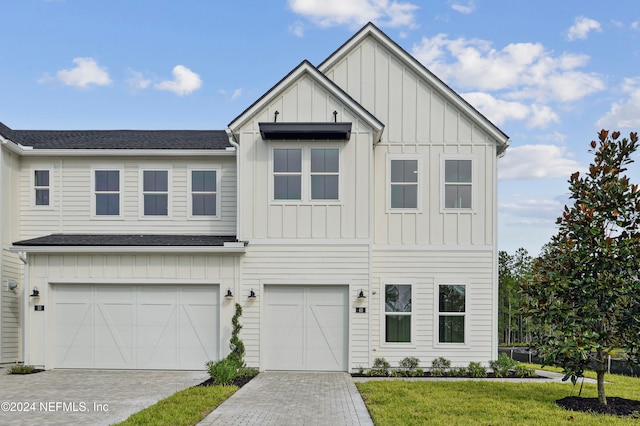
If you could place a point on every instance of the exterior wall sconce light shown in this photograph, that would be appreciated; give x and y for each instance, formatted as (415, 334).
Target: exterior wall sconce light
(229, 295)
(252, 295)
(361, 295)
(35, 292)
(12, 285)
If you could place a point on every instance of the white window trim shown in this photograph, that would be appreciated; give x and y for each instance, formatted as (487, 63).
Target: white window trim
(383, 315)
(141, 192)
(474, 179)
(421, 185)
(120, 169)
(204, 168)
(305, 190)
(436, 314)
(32, 185)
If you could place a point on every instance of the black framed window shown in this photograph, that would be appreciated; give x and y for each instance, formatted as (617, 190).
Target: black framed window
(397, 309)
(451, 313)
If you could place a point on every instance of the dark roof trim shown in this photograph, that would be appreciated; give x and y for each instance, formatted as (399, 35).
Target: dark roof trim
(305, 131)
(122, 240)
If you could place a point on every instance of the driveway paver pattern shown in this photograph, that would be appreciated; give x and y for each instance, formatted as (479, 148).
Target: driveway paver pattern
(293, 398)
(86, 397)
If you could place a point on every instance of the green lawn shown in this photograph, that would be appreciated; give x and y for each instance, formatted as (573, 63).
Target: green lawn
(183, 408)
(487, 403)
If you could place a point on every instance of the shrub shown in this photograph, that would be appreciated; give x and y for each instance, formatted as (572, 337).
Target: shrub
(418, 372)
(223, 372)
(475, 369)
(458, 372)
(439, 366)
(380, 367)
(524, 371)
(409, 364)
(235, 344)
(21, 369)
(502, 365)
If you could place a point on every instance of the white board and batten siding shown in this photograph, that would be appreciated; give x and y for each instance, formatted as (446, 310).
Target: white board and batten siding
(111, 311)
(262, 217)
(71, 208)
(420, 123)
(425, 270)
(304, 274)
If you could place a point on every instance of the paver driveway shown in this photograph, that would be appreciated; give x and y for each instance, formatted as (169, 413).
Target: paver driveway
(86, 397)
(282, 398)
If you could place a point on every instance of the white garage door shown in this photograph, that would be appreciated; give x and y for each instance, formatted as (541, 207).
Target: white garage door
(136, 327)
(306, 328)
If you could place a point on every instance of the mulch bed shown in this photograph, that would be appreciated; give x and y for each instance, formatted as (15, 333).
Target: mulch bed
(238, 381)
(615, 406)
(428, 375)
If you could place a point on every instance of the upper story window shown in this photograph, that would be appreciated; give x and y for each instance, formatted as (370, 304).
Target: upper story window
(287, 174)
(42, 187)
(306, 174)
(325, 170)
(107, 192)
(155, 192)
(451, 313)
(397, 310)
(457, 184)
(204, 192)
(404, 184)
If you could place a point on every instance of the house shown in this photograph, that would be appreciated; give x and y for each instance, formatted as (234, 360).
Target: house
(351, 211)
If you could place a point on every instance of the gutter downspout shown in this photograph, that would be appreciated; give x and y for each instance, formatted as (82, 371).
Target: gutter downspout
(236, 146)
(25, 293)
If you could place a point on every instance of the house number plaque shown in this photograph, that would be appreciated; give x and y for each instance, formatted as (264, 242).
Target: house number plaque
(361, 310)
(38, 308)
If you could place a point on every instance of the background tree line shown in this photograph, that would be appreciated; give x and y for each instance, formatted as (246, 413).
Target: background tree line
(514, 271)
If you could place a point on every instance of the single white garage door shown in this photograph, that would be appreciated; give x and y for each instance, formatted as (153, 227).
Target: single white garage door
(136, 327)
(306, 328)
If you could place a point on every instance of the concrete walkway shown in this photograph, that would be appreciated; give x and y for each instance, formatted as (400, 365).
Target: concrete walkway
(86, 397)
(293, 398)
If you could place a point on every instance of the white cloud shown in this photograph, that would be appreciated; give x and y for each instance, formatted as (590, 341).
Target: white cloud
(536, 211)
(463, 7)
(86, 73)
(522, 70)
(624, 113)
(184, 81)
(582, 27)
(136, 81)
(328, 13)
(297, 29)
(236, 94)
(536, 162)
(499, 111)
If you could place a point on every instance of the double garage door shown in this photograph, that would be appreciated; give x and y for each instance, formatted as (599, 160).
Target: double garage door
(136, 327)
(306, 328)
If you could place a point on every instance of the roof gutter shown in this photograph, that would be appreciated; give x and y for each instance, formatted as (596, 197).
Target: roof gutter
(230, 248)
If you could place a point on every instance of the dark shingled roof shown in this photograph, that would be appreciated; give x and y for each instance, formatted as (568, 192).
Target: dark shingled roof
(118, 139)
(126, 240)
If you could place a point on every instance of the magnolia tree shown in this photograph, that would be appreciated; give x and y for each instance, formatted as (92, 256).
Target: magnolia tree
(584, 298)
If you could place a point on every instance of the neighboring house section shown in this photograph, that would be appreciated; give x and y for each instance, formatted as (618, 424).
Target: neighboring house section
(351, 211)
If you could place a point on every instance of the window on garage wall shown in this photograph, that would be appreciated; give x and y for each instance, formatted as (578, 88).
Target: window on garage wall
(397, 311)
(451, 313)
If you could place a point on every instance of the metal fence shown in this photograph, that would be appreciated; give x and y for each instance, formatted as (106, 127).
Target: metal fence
(614, 365)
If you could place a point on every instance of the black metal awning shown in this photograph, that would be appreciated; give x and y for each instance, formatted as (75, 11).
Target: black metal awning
(305, 131)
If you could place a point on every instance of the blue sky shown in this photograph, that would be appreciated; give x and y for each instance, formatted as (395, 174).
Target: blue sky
(549, 73)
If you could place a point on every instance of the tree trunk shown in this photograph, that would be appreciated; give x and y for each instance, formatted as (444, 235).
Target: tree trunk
(601, 368)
